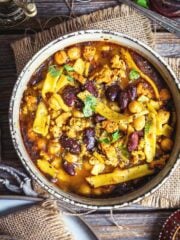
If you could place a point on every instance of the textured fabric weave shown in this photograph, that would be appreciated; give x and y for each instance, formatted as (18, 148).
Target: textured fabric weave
(121, 19)
(39, 222)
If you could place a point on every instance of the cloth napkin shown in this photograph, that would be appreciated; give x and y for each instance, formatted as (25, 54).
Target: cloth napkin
(41, 221)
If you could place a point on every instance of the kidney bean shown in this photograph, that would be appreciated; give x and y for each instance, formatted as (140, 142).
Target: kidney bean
(89, 138)
(41, 72)
(126, 96)
(112, 92)
(132, 92)
(69, 168)
(141, 133)
(79, 104)
(133, 141)
(123, 100)
(70, 144)
(98, 118)
(148, 68)
(91, 88)
(69, 95)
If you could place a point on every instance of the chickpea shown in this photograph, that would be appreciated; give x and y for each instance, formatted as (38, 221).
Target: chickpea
(60, 57)
(74, 53)
(41, 143)
(164, 94)
(54, 148)
(135, 107)
(163, 116)
(166, 144)
(139, 123)
(97, 191)
(77, 114)
(84, 189)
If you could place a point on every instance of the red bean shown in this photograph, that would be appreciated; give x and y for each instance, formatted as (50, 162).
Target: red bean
(132, 92)
(90, 86)
(69, 95)
(112, 92)
(69, 168)
(126, 96)
(98, 118)
(70, 144)
(123, 100)
(133, 141)
(89, 138)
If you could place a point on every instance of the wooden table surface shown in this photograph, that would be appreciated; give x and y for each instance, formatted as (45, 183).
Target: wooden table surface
(137, 222)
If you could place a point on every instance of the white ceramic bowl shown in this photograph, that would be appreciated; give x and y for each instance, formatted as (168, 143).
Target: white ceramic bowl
(20, 86)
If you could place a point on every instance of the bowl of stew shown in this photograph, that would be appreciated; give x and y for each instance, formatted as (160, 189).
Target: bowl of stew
(94, 118)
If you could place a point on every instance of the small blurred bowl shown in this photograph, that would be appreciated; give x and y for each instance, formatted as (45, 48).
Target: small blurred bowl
(21, 84)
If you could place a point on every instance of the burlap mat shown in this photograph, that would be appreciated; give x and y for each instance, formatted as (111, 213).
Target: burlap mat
(122, 19)
(39, 222)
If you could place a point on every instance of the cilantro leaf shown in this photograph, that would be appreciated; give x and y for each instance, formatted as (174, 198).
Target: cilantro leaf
(68, 68)
(133, 75)
(70, 79)
(89, 106)
(115, 136)
(111, 139)
(105, 140)
(143, 3)
(54, 71)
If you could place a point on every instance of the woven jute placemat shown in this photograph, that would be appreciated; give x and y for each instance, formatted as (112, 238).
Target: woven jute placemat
(121, 19)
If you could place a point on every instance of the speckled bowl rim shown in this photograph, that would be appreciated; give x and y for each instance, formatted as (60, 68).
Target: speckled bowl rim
(55, 191)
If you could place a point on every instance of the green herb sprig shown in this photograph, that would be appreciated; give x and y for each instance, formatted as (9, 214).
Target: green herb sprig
(124, 151)
(68, 68)
(111, 139)
(147, 126)
(54, 71)
(89, 106)
(134, 75)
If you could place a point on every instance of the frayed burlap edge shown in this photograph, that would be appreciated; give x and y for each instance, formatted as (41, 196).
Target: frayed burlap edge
(45, 213)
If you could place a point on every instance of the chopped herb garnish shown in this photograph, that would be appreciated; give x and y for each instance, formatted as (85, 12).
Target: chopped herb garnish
(147, 126)
(54, 71)
(115, 136)
(143, 3)
(68, 68)
(124, 151)
(89, 106)
(105, 140)
(111, 139)
(134, 75)
(70, 79)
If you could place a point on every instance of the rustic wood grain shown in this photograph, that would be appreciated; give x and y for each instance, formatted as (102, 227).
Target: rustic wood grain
(136, 222)
(133, 226)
